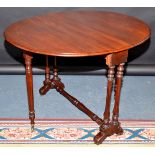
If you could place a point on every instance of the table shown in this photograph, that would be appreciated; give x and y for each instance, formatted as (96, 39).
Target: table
(79, 34)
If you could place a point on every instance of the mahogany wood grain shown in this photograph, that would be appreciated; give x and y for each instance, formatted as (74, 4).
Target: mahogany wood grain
(78, 33)
(116, 58)
(108, 127)
(55, 83)
(76, 103)
(111, 72)
(29, 82)
(118, 85)
(47, 71)
(46, 83)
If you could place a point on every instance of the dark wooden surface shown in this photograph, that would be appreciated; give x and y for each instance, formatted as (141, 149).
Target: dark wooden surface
(80, 34)
(77, 33)
(29, 82)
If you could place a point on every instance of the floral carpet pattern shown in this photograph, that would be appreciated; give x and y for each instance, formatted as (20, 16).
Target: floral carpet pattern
(73, 132)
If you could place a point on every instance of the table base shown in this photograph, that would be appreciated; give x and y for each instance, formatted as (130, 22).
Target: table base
(107, 126)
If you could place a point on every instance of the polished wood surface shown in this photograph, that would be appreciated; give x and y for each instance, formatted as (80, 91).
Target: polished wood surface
(78, 33)
(111, 72)
(29, 82)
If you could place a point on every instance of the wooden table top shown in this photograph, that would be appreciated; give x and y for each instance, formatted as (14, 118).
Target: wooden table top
(77, 33)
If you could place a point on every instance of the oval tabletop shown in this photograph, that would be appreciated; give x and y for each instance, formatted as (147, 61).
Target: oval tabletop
(78, 33)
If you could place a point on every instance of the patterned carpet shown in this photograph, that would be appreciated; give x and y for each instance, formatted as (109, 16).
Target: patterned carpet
(73, 132)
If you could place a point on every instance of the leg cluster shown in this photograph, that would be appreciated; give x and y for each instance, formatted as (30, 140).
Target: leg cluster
(55, 83)
(108, 126)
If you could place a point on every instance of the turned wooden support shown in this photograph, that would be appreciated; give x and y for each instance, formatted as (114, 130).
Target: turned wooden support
(106, 129)
(59, 87)
(47, 71)
(47, 82)
(117, 59)
(29, 82)
(109, 92)
(109, 128)
(55, 70)
(55, 74)
(118, 85)
(55, 77)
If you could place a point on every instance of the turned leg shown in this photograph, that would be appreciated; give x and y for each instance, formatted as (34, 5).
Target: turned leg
(56, 78)
(109, 92)
(118, 85)
(47, 83)
(59, 86)
(29, 82)
(98, 139)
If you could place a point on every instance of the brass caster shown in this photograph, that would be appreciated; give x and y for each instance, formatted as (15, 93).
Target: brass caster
(32, 127)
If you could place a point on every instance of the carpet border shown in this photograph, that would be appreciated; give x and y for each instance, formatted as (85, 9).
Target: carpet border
(58, 122)
(77, 145)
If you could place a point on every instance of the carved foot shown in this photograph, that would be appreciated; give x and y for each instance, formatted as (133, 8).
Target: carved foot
(118, 129)
(50, 85)
(100, 137)
(44, 89)
(106, 131)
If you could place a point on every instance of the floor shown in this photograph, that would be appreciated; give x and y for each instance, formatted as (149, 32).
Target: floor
(137, 98)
